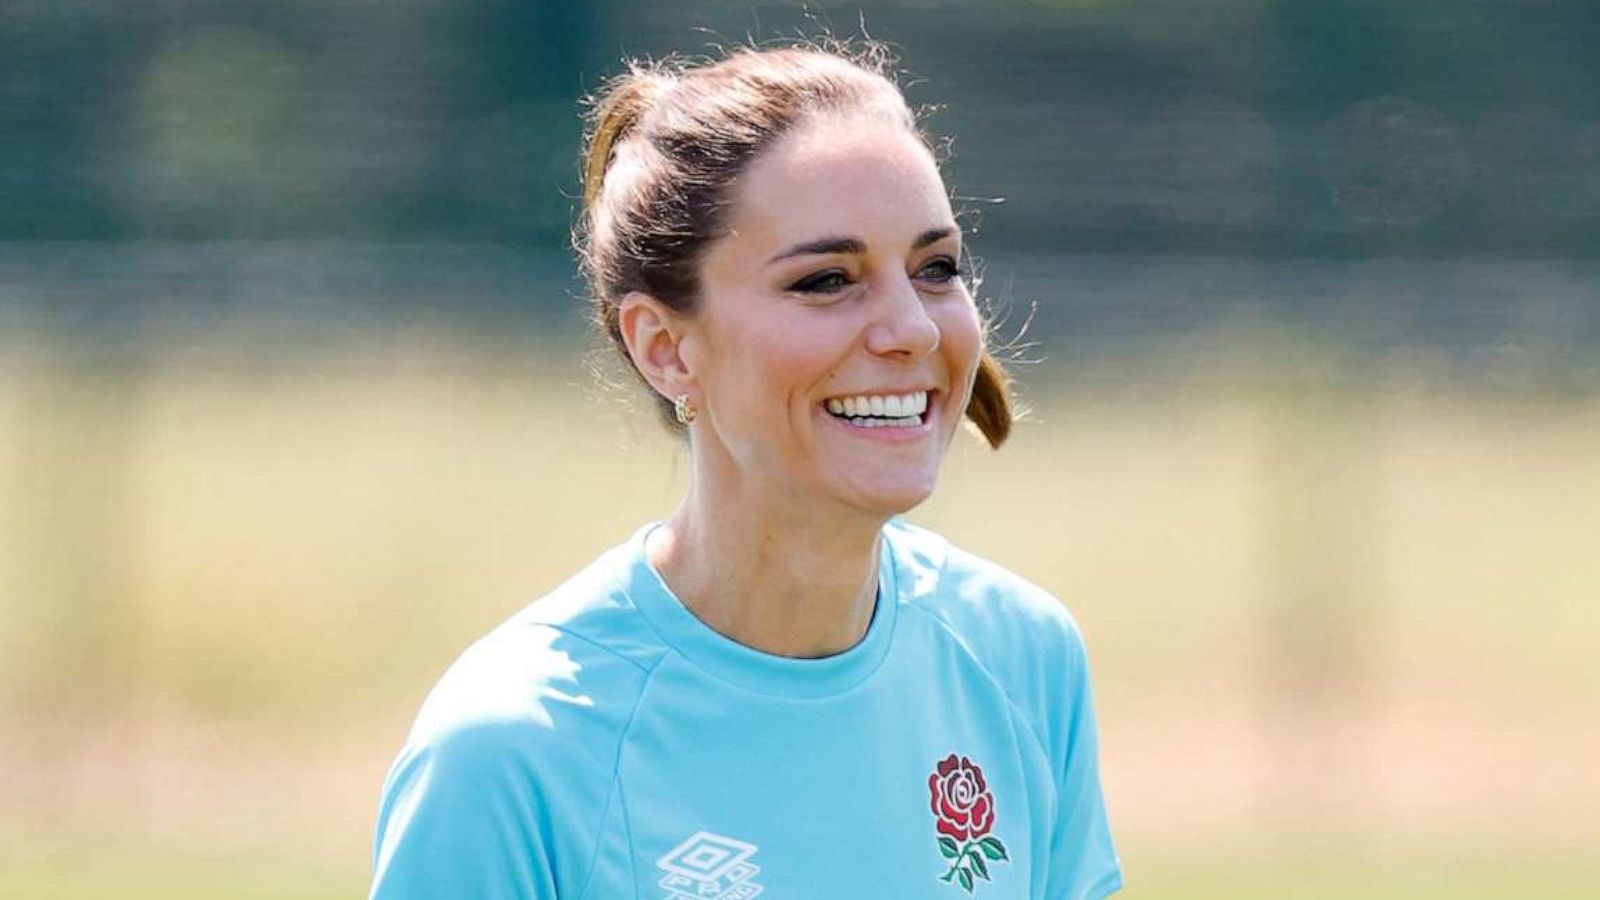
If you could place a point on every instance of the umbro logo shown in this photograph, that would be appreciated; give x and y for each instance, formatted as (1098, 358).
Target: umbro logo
(710, 867)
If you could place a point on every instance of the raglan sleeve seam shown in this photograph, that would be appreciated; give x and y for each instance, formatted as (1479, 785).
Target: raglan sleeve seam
(578, 635)
(1011, 703)
(615, 788)
(1035, 728)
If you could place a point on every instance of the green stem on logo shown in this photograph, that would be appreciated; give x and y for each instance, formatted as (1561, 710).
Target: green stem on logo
(961, 857)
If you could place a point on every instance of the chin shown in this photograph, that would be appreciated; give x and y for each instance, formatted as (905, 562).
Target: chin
(883, 486)
(893, 499)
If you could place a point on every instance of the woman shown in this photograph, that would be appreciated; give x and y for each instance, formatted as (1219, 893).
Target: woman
(781, 687)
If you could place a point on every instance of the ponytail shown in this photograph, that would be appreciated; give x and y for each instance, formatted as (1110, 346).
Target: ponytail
(990, 406)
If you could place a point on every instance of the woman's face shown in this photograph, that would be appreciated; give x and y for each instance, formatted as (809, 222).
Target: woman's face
(835, 343)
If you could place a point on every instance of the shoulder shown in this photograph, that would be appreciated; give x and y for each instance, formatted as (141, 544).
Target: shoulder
(503, 784)
(1020, 634)
(523, 683)
(559, 678)
(986, 606)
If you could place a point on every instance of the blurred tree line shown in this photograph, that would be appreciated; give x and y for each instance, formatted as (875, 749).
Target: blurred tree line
(1261, 128)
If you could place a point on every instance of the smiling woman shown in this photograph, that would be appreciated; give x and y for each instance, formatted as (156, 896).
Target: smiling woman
(772, 250)
(834, 280)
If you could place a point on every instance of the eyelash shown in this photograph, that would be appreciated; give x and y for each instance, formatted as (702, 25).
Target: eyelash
(813, 284)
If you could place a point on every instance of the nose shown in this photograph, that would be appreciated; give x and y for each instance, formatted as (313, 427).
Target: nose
(901, 326)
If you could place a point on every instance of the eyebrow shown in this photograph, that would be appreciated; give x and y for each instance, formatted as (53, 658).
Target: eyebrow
(855, 245)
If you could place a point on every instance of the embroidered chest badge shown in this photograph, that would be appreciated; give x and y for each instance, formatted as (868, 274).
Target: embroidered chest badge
(963, 806)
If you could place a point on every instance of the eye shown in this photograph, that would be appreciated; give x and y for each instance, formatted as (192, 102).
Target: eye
(830, 282)
(942, 270)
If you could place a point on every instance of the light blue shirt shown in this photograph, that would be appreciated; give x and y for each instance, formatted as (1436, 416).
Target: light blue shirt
(605, 743)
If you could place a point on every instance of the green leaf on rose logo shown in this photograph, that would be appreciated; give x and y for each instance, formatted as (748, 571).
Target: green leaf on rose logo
(979, 866)
(948, 848)
(993, 848)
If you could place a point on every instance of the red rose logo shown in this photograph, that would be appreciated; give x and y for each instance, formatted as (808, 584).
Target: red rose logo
(963, 807)
(961, 799)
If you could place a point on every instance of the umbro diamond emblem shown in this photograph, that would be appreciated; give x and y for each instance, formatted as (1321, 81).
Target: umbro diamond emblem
(710, 867)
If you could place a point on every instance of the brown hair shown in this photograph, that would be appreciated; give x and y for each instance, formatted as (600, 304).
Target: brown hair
(667, 139)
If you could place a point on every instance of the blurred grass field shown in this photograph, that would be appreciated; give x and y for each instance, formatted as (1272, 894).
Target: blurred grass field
(143, 876)
(1342, 622)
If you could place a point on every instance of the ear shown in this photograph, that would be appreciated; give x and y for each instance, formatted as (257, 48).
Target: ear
(655, 335)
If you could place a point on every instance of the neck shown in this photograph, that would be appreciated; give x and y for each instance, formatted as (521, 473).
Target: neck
(771, 574)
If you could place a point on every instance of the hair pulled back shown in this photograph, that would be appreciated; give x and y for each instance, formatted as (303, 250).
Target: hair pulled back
(666, 142)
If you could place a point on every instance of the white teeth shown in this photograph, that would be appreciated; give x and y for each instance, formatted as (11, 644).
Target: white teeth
(892, 407)
(885, 410)
(872, 422)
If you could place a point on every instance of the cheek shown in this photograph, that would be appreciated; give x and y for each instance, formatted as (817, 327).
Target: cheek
(765, 368)
(961, 339)
(787, 356)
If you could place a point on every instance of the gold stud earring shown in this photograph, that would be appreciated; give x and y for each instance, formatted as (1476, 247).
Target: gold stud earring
(682, 408)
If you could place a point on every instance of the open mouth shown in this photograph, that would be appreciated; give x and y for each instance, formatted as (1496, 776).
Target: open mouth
(882, 410)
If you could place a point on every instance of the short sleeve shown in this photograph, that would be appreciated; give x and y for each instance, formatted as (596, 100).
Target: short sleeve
(457, 819)
(1083, 860)
(505, 781)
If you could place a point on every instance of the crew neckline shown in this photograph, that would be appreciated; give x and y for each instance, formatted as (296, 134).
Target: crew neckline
(748, 667)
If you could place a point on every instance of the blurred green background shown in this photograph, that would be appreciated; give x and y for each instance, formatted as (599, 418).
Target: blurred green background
(296, 399)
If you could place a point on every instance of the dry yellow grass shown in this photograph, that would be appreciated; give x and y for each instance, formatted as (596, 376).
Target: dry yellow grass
(1330, 609)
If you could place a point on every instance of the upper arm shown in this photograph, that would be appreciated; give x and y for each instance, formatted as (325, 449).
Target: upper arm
(461, 816)
(502, 787)
(1083, 860)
